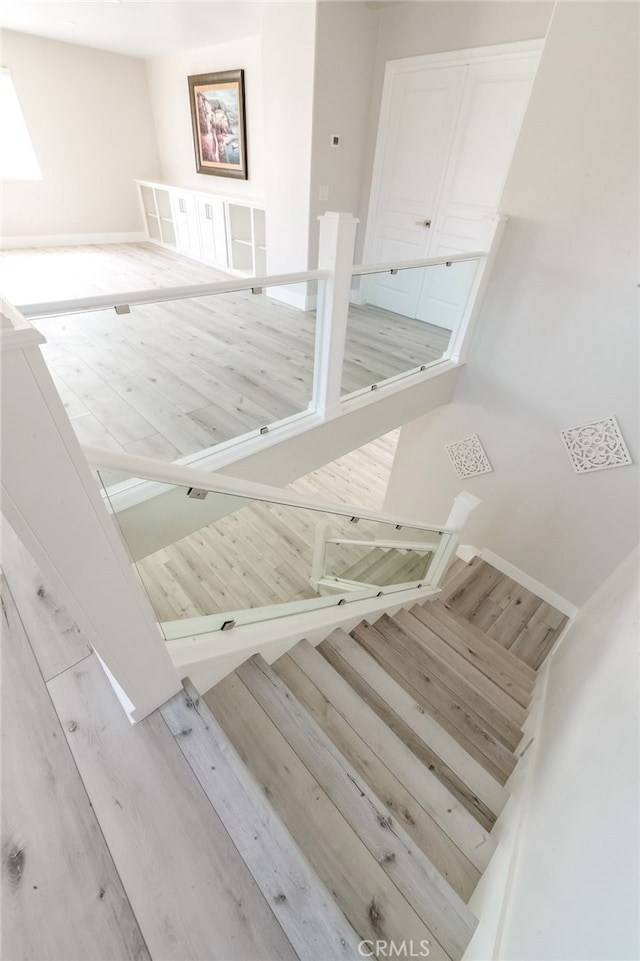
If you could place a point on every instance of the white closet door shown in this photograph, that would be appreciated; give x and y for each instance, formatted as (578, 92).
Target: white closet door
(493, 105)
(417, 123)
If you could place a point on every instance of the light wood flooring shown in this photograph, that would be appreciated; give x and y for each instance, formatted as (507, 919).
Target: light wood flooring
(262, 554)
(169, 380)
(507, 612)
(261, 830)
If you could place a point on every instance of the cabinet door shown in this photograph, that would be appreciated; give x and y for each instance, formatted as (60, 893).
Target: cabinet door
(213, 233)
(186, 225)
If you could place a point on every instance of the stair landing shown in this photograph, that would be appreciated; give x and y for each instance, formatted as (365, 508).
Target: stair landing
(507, 612)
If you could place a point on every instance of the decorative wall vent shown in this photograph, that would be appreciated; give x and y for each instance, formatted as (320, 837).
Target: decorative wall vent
(468, 457)
(595, 446)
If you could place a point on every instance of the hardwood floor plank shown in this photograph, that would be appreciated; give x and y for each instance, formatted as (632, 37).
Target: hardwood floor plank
(485, 614)
(476, 639)
(514, 617)
(534, 642)
(450, 713)
(196, 352)
(192, 894)
(306, 912)
(56, 639)
(405, 733)
(366, 895)
(423, 831)
(498, 706)
(485, 656)
(408, 636)
(61, 894)
(479, 781)
(441, 909)
(438, 802)
(471, 593)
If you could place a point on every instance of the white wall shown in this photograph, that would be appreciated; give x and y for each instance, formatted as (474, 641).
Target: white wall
(278, 64)
(89, 116)
(574, 893)
(288, 40)
(346, 35)
(172, 114)
(557, 341)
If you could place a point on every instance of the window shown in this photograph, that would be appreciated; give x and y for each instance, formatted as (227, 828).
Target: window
(17, 157)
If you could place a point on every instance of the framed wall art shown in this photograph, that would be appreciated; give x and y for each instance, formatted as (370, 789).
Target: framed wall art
(219, 127)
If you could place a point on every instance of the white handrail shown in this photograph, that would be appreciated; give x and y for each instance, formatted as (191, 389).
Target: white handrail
(131, 298)
(442, 259)
(160, 295)
(176, 475)
(395, 545)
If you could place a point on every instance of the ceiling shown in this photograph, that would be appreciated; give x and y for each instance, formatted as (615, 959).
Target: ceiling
(141, 29)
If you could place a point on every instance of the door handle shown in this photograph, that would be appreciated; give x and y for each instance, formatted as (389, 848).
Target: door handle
(423, 223)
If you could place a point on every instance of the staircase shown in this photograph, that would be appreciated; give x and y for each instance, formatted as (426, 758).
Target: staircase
(360, 780)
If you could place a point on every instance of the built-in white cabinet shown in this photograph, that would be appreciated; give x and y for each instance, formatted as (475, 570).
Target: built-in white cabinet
(228, 234)
(247, 240)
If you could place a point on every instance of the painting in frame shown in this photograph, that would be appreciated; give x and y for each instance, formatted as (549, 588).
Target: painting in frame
(219, 127)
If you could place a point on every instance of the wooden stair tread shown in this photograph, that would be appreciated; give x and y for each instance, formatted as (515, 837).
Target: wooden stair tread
(454, 716)
(354, 572)
(514, 618)
(461, 580)
(405, 733)
(521, 673)
(307, 913)
(361, 887)
(186, 881)
(466, 593)
(437, 799)
(478, 651)
(384, 779)
(480, 783)
(403, 633)
(431, 897)
(497, 707)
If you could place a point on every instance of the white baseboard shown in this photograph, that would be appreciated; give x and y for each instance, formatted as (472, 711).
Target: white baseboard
(531, 584)
(292, 297)
(72, 240)
(466, 552)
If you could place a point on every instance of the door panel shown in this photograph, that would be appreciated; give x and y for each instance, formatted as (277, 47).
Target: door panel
(493, 105)
(417, 123)
(445, 143)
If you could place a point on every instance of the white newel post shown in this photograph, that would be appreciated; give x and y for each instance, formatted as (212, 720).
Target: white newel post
(462, 506)
(51, 499)
(337, 243)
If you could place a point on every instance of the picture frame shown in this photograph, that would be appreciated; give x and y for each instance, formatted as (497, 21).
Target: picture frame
(219, 124)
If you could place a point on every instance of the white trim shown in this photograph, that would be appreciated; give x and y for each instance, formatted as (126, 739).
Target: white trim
(520, 48)
(361, 270)
(393, 385)
(531, 584)
(218, 195)
(20, 339)
(293, 298)
(490, 900)
(466, 552)
(395, 545)
(72, 240)
(159, 295)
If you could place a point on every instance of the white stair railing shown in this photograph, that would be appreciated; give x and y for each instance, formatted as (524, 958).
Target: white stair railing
(51, 499)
